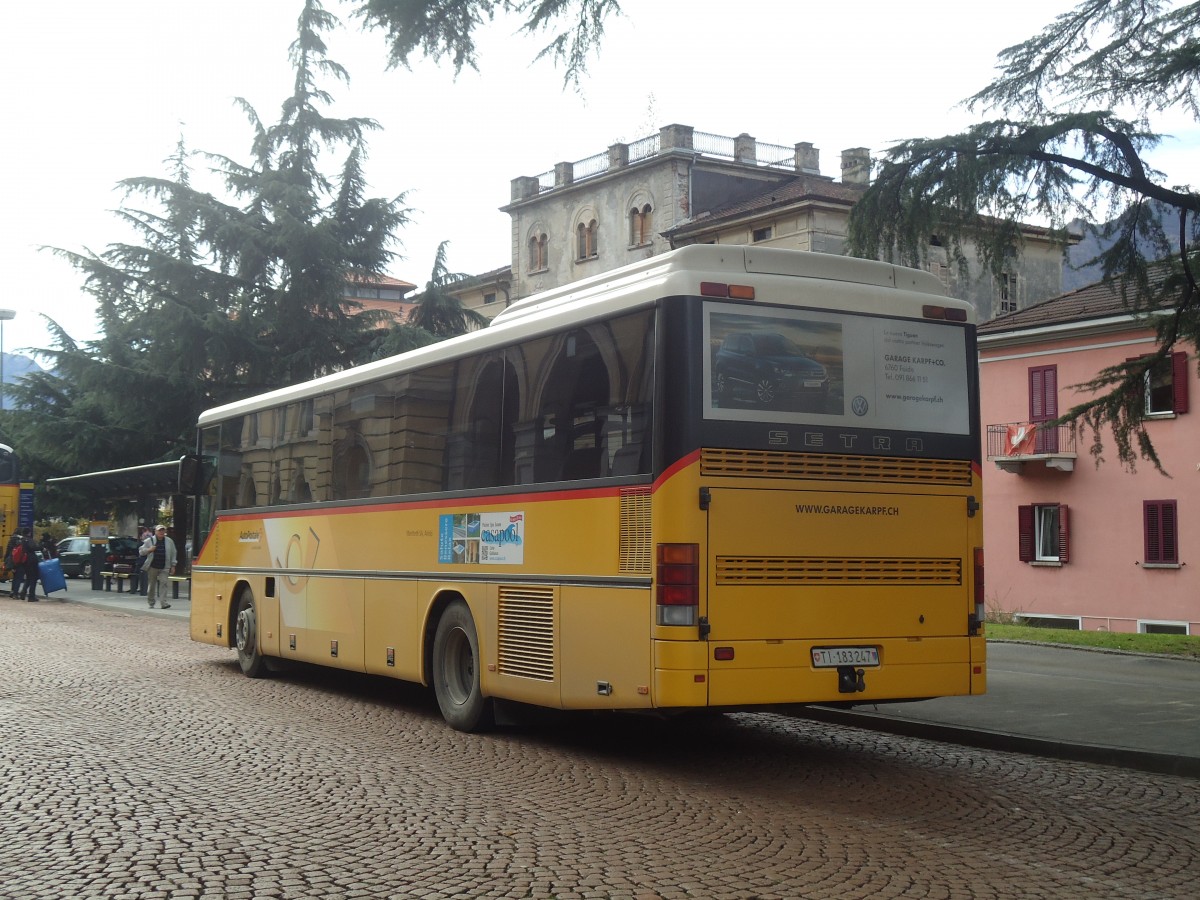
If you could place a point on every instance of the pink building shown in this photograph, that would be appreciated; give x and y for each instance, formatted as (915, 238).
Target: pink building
(1070, 544)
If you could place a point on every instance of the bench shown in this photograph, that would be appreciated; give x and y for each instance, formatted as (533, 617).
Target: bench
(120, 577)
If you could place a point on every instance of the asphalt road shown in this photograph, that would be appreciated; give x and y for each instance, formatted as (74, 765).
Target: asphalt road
(137, 764)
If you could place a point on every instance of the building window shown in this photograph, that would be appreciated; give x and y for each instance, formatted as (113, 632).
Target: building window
(1043, 406)
(940, 271)
(1160, 527)
(640, 221)
(1044, 534)
(1007, 290)
(1060, 623)
(537, 253)
(761, 234)
(489, 297)
(585, 235)
(1167, 386)
(1145, 627)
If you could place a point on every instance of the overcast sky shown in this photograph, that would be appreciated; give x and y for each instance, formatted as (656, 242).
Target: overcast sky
(101, 91)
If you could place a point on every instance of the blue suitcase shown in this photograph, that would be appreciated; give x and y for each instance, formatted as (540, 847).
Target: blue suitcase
(52, 576)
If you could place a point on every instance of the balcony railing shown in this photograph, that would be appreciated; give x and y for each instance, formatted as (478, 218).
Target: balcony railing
(766, 156)
(1012, 445)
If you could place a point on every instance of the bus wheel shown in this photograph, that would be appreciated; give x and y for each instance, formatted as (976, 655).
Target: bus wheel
(253, 663)
(456, 671)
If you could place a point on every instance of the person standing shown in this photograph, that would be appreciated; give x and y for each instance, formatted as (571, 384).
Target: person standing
(29, 567)
(141, 571)
(161, 560)
(17, 573)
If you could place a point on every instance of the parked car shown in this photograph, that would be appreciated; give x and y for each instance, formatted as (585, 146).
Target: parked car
(75, 555)
(765, 368)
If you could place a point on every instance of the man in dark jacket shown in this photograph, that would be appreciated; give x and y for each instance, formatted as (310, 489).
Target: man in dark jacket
(30, 566)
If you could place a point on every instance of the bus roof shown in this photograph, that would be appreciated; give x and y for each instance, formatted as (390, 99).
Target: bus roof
(676, 273)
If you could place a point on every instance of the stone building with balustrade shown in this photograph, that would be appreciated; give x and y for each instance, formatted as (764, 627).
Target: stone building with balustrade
(682, 186)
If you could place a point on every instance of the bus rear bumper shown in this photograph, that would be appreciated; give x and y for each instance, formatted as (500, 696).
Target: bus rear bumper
(740, 674)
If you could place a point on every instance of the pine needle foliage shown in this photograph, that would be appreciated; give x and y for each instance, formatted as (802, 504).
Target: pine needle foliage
(445, 29)
(1078, 102)
(218, 298)
(439, 312)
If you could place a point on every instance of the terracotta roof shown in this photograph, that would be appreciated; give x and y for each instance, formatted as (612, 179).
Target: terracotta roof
(381, 281)
(786, 193)
(1100, 300)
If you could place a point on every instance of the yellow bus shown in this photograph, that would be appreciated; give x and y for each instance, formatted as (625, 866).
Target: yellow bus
(11, 495)
(720, 478)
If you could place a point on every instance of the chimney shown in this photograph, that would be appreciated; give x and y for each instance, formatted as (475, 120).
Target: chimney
(856, 166)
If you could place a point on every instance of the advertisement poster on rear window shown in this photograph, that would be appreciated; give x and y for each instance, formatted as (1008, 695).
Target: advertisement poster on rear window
(819, 367)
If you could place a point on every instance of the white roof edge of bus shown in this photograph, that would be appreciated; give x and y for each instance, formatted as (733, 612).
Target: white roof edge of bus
(720, 259)
(532, 315)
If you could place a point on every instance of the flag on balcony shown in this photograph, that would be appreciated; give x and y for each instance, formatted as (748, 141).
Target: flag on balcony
(1019, 440)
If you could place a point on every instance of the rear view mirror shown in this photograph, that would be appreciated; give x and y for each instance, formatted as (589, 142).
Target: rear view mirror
(192, 480)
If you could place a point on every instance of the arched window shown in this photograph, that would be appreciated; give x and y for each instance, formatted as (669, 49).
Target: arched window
(585, 236)
(640, 224)
(537, 252)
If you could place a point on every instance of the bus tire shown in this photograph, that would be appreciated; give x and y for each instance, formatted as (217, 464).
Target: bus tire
(456, 671)
(245, 635)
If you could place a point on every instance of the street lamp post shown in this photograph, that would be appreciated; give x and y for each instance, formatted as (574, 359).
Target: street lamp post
(5, 315)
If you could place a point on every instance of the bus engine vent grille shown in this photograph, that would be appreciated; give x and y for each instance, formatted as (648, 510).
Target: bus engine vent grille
(526, 638)
(834, 467)
(636, 548)
(837, 570)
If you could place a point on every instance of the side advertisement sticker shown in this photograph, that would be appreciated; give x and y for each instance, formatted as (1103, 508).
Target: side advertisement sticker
(490, 537)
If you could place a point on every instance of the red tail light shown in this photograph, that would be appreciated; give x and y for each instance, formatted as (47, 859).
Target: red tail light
(677, 588)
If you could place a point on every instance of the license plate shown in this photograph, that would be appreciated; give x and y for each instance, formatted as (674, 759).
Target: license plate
(831, 657)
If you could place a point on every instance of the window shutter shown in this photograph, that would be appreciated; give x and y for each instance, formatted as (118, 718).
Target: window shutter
(1179, 382)
(1064, 534)
(1170, 533)
(1025, 533)
(1161, 531)
(1043, 393)
(1151, 531)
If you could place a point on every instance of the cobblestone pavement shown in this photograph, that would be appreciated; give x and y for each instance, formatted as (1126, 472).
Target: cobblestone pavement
(136, 764)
